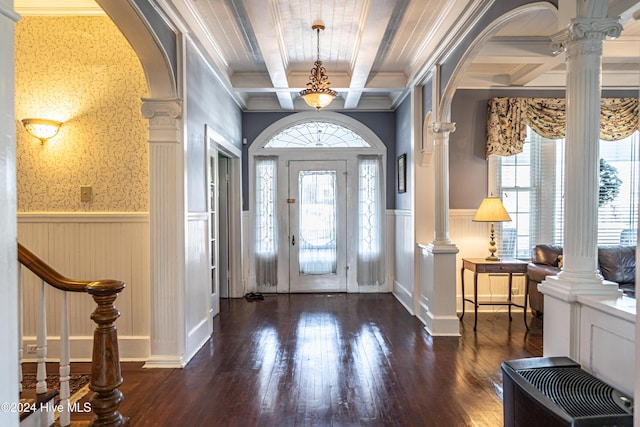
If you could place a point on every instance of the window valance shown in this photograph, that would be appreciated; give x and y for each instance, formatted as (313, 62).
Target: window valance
(508, 119)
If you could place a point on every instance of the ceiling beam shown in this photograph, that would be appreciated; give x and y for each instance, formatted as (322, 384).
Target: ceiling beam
(267, 34)
(369, 40)
(528, 74)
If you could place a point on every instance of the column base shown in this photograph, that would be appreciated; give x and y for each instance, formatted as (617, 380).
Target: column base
(437, 296)
(440, 326)
(562, 312)
(567, 287)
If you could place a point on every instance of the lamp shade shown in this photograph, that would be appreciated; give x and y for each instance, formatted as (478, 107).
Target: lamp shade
(491, 210)
(318, 99)
(43, 129)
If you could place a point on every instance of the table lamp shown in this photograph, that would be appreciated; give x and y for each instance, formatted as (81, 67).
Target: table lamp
(491, 210)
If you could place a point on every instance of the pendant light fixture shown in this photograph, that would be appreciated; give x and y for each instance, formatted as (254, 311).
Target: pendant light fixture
(318, 94)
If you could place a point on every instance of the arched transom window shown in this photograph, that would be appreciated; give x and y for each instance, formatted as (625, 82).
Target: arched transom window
(316, 135)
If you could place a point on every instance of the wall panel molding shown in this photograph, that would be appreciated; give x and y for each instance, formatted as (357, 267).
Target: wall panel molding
(83, 217)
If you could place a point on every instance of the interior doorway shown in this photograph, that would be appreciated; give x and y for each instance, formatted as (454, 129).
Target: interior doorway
(224, 175)
(223, 225)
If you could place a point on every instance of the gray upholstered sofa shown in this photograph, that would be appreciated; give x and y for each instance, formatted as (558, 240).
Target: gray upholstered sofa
(616, 264)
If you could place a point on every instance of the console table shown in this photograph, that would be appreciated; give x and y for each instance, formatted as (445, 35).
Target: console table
(508, 266)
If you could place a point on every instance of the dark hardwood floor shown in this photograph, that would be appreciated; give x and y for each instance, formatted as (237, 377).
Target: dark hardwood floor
(332, 360)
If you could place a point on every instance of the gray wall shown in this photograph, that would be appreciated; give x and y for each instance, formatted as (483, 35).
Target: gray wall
(467, 163)
(383, 124)
(206, 103)
(403, 146)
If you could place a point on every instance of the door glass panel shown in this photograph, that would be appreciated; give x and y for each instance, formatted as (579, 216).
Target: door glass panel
(317, 222)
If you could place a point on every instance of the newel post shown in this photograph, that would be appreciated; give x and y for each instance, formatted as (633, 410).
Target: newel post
(105, 365)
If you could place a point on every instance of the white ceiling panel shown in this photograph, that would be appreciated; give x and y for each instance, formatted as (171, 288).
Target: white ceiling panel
(372, 49)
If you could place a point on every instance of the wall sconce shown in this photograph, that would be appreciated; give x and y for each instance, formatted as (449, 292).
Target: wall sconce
(43, 129)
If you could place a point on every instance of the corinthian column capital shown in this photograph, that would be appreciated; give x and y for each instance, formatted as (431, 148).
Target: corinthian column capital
(589, 31)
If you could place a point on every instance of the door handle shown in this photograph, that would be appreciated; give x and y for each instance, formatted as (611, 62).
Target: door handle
(293, 240)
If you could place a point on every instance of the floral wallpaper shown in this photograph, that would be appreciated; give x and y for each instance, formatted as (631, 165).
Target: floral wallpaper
(80, 71)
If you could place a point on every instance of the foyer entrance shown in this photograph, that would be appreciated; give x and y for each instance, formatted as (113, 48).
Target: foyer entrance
(317, 206)
(317, 226)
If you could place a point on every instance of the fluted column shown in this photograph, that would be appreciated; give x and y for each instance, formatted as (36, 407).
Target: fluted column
(166, 217)
(582, 41)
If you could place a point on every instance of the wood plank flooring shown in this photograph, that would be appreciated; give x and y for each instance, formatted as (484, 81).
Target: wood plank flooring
(332, 360)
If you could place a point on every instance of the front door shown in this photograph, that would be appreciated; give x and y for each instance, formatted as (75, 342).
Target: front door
(317, 226)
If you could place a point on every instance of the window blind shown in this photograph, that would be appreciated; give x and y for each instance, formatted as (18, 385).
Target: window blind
(531, 185)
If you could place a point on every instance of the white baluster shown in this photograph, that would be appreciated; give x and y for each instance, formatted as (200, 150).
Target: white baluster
(65, 369)
(20, 326)
(41, 342)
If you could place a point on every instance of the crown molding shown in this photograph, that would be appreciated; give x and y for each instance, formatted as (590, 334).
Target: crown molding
(58, 8)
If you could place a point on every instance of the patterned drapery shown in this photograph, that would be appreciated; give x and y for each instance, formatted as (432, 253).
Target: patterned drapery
(508, 119)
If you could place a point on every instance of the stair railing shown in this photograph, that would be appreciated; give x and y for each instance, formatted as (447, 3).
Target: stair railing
(105, 364)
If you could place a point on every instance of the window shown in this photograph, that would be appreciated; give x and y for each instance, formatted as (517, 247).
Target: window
(316, 135)
(266, 227)
(370, 222)
(531, 185)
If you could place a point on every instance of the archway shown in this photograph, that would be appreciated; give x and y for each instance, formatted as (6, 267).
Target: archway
(166, 214)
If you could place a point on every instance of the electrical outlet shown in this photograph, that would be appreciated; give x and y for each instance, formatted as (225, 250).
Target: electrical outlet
(32, 348)
(86, 193)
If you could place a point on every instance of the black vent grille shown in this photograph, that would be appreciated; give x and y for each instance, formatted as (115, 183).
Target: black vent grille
(575, 391)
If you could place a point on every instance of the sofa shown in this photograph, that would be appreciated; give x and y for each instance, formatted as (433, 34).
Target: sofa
(616, 264)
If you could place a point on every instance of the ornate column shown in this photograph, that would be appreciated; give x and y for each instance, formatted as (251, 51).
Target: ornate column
(166, 219)
(441, 133)
(582, 41)
(438, 259)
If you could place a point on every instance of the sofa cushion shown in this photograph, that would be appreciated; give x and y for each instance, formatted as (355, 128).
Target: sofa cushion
(546, 254)
(618, 263)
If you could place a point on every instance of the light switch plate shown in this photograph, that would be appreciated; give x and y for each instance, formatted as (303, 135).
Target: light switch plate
(86, 193)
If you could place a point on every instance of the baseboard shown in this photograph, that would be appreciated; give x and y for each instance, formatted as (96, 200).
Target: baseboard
(403, 295)
(196, 338)
(442, 326)
(165, 362)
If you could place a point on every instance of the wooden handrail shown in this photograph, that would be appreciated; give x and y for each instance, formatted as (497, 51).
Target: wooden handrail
(58, 281)
(105, 364)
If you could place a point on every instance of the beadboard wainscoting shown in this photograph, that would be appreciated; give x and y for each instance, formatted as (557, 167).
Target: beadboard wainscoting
(405, 248)
(88, 246)
(472, 240)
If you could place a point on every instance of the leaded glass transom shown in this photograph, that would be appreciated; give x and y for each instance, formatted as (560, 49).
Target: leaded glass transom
(316, 135)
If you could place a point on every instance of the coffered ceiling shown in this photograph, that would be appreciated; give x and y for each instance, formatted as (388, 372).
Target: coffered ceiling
(373, 50)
